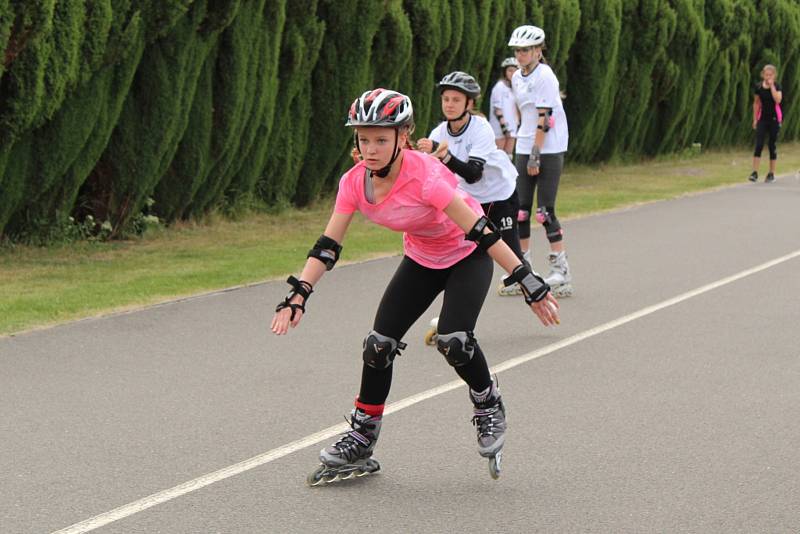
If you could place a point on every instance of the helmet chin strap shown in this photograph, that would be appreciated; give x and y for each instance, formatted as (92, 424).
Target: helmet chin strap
(384, 172)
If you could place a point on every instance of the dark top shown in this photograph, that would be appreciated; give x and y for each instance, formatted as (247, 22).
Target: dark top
(767, 102)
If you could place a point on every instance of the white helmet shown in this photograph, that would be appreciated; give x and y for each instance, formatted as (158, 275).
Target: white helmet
(526, 36)
(509, 62)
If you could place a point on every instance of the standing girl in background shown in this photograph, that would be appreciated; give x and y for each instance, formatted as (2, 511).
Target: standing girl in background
(767, 119)
(503, 115)
(542, 140)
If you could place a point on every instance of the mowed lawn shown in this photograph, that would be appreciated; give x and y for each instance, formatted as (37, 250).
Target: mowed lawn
(45, 286)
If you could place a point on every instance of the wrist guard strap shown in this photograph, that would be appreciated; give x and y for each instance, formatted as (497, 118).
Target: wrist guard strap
(299, 287)
(533, 286)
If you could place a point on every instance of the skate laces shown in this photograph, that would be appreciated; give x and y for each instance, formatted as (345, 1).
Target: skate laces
(486, 421)
(353, 441)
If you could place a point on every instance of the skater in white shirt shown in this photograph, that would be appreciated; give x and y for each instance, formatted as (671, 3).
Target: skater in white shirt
(504, 115)
(542, 140)
(464, 142)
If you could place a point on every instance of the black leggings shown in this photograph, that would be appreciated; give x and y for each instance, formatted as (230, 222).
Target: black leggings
(410, 292)
(503, 214)
(768, 129)
(545, 184)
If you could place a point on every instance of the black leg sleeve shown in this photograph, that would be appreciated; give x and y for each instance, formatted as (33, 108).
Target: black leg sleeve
(526, 185)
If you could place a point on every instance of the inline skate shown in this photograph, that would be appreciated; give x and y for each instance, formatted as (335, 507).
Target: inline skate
(351, 455)
(489, 419)
(559, 279)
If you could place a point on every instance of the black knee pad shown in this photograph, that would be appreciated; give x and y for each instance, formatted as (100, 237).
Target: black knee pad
(546, 216)
(458, 347)
(380, 350)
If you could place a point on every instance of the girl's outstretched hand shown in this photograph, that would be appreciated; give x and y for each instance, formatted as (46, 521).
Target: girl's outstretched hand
(547, 310)
(282, 320)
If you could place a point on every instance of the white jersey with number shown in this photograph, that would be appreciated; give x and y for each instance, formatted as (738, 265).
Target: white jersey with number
(502, 98)
(476, 142)
(539, 89)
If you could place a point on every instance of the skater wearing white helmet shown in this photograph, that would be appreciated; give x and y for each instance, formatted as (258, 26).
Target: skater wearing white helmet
(464, 142)
(542, 140)
(504, 115)
(412, 192)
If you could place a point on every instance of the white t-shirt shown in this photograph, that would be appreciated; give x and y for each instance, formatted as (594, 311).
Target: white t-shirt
(539, 89)
(503, 99)
(476, 142)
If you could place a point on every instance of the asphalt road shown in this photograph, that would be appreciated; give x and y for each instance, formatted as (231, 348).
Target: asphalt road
(683, 417)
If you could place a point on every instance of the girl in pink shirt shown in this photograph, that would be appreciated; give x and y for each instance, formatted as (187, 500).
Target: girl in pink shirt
(415, 194)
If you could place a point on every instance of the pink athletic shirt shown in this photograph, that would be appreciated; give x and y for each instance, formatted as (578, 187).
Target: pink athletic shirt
(414, 206)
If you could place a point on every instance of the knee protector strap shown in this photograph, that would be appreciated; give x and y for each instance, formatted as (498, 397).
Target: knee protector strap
(326, 250)
(457, 348)
(380, 350)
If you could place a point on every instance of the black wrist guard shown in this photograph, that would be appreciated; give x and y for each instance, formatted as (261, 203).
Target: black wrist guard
(434, 146)
(299, 287)
(322, 251)
(533, 286)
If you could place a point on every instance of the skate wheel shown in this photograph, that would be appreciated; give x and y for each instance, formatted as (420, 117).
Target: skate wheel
(494, 465)
(369, 467)
(562, 291)
(430, 337)
(511, 291)
(316, 478)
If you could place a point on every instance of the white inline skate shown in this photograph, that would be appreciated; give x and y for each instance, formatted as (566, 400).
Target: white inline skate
(351, 455)
(559, 279)
(489, 418)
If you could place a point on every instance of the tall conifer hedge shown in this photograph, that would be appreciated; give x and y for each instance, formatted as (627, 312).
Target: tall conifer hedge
(199, 104)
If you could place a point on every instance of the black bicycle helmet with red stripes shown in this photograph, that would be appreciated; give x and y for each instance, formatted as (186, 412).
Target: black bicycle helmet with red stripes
(385, 108)
(381, 107)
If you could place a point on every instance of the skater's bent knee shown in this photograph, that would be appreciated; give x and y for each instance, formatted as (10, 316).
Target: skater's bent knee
(380, 350)
(457, 347)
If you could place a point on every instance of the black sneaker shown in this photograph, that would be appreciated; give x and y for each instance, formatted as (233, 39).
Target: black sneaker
(753, 176)
(770, 178)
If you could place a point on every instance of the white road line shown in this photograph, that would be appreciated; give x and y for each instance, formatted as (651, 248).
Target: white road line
(275, 454)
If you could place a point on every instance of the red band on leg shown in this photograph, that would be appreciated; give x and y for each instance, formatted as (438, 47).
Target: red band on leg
(370, 409)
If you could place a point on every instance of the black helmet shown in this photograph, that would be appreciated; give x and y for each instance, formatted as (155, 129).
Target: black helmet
(462, 82)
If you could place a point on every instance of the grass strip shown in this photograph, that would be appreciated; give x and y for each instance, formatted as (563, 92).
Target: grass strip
(45, 286)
